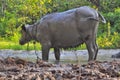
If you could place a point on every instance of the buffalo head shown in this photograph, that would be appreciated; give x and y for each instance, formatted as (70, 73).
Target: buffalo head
(25, 35)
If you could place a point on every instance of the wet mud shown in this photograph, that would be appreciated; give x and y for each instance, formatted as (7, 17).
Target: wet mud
(23, 65)
(19, 69)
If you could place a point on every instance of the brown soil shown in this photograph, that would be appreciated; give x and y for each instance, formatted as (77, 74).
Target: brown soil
(19, 69)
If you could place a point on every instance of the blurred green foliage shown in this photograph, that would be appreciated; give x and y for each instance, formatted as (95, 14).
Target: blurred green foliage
(14, 13)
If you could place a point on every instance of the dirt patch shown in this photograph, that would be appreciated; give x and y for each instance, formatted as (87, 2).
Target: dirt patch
(18, 69)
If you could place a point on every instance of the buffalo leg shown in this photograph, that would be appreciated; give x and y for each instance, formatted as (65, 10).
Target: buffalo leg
(57, 53)
(90, 49)
(96, 49)
(45, 52)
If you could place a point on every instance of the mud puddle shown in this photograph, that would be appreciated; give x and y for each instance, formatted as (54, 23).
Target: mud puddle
(66, 56)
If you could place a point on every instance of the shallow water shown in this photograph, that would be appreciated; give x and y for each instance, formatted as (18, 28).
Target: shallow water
(79, 56)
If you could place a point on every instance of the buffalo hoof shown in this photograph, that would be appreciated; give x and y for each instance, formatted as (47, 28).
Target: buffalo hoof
(57, 62)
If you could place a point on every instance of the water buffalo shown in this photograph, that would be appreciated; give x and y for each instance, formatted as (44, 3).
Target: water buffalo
(65, 30)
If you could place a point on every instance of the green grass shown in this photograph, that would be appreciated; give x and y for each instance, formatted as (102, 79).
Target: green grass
(17, 46)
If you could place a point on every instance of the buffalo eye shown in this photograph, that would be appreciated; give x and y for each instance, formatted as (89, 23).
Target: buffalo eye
(23, 27)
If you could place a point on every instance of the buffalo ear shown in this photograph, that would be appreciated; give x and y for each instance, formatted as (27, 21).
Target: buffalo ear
(23, 27)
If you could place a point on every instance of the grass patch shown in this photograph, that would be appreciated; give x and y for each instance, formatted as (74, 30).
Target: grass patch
(17, 46)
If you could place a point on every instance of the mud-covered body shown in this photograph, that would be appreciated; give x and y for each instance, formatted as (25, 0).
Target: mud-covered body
(65, 30)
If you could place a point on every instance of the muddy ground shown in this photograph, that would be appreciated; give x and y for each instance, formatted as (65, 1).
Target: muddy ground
(66, 56)
(17, 67)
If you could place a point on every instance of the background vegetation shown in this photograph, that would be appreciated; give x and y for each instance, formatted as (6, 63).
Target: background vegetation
(14, 13)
